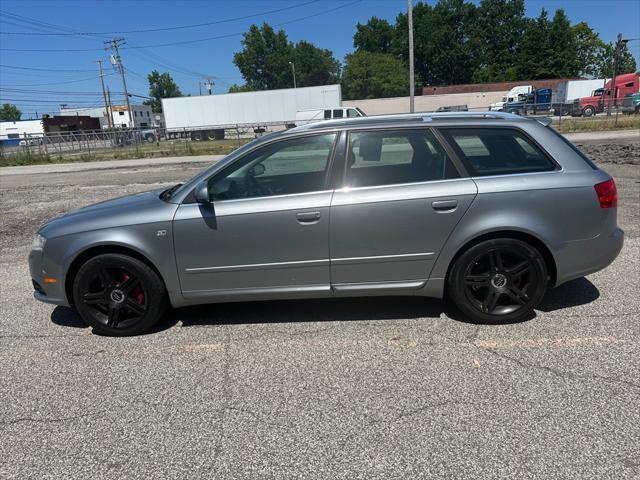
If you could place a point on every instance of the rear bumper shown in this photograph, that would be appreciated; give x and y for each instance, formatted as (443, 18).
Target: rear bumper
(583, 257)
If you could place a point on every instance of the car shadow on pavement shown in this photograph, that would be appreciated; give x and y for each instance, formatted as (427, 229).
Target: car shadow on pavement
(571, 294)
(313, 310)
(67, 317)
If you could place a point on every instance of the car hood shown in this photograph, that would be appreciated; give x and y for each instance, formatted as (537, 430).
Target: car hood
(139, 208)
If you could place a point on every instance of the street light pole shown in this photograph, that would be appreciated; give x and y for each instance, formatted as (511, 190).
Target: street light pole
(293, 70)
(411, 74)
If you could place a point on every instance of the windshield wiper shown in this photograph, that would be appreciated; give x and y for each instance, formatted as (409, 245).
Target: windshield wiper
(166, 195)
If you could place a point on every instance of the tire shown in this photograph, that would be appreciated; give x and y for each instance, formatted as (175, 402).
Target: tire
(498, 281)
(588, 111)
(118, 295)
(150, 137)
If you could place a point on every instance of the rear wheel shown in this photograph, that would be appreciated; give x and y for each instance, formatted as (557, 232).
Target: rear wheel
(118, 295)
(498, 281)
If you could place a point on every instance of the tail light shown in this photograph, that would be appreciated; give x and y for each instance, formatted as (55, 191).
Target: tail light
(607, 194)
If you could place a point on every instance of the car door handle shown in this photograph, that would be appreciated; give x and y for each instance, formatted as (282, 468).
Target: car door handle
(444, 205)
(308, 217)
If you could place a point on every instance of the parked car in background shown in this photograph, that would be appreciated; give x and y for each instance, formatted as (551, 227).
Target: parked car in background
(316, 115)
(489, 207)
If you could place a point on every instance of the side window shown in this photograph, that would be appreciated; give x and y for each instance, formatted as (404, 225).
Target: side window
(291, 166)
(352, 112)
(327, 114)
(497, 151)
(396, 157)
(337, 113)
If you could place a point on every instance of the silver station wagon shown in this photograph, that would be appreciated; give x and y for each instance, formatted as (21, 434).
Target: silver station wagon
(488, 208)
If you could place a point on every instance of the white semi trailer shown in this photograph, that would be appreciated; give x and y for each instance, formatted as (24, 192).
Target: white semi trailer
(208, 116)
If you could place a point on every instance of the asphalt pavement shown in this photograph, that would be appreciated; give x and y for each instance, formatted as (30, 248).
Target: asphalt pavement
(335, 389)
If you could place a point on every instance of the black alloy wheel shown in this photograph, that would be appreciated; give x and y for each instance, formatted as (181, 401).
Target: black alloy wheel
(118, 295)
(498, 281)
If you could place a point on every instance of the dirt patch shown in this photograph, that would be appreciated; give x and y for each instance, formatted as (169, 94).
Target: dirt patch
(627, 153)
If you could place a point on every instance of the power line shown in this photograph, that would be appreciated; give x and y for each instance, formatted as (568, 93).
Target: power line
(80, 80)
(44, 69)
(48, 92)
(183, 42)
(178, 27)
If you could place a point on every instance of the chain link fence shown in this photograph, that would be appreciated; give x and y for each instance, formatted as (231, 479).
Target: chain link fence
(138, 143)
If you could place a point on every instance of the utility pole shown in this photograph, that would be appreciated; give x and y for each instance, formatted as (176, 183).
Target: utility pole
(200, 87)
(612, 90)
(111, 120)
(104, 94)
(411, 79)
(209, 84)
(293, 70)
(116, 60)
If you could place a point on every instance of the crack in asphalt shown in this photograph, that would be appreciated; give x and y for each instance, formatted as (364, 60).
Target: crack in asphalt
(552, 370)
(50, 420)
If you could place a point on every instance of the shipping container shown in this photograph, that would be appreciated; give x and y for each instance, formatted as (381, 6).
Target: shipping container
(207, 116)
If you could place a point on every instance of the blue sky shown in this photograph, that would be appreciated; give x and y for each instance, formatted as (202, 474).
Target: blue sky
(189, 63)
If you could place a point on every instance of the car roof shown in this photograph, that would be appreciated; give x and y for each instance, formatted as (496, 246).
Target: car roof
(408, 118)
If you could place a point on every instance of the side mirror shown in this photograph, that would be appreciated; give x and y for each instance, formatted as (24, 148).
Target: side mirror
(202, 192)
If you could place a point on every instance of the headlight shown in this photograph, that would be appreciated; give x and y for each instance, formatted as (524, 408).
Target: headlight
(38, 242)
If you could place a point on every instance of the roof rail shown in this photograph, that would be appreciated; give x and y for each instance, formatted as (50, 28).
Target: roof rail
(406, 117)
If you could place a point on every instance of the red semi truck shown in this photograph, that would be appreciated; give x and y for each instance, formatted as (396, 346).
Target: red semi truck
(599, 99)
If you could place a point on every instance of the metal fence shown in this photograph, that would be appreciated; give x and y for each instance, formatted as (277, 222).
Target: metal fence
(142, 142)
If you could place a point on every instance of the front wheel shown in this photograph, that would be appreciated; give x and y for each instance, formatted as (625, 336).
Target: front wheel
(118, 295)
(498, 281)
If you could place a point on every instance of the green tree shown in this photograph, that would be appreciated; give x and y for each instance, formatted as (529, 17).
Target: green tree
(588, 47)
(563, 61)
(496, 31)
(266, 57)
(235, 88)
(374, 36)
(535, 49)
(161, 85)
(604, 62)
(313, 66)
(374, 75)
(9, 113)
(444, 52)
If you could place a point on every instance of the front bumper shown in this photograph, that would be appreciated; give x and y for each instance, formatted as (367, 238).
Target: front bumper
(583, 257)
(46, 292)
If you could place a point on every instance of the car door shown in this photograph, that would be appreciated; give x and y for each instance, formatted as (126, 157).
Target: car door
(265, 232)
(402, 198)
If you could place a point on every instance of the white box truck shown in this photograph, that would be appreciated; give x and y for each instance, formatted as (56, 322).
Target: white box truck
(207, 116)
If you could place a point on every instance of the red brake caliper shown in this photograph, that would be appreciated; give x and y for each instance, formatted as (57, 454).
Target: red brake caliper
(137, 293)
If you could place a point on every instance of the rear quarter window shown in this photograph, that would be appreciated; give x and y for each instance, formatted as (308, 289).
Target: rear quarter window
(497, 151)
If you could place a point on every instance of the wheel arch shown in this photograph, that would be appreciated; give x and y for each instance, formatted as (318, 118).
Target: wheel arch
(96, 250)
(516, 235)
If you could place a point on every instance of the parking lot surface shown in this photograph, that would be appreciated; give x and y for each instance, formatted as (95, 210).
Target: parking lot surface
(350, 388)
